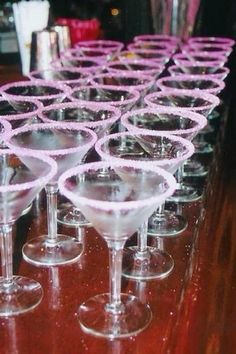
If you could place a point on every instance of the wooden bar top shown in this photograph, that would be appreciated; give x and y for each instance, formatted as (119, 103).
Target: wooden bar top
(194, 308)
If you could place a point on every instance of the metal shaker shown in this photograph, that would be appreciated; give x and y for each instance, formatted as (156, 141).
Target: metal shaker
(64, 38)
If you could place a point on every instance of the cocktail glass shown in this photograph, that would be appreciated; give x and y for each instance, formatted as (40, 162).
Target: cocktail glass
(179, 122)
(147, 54)
(167, 48)
(96, 116)
(116, 207)
(189, 100)
(104, 44)
(91, 65)
(69, 76)
(22, 175)
(144, 66)
(94, 53)
(45, 92)
(212, 40)
(159, 149)
(206, 49)
(140, 82)
(181, 59)
(197, 69)
(66, 144)
(157, 38)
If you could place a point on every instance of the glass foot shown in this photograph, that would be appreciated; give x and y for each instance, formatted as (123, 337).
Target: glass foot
(40, 252)
(71, 216)
(148, 265)
(95, 318)
(166, 224)
(194, 169)
(185, 194)
(22, 295)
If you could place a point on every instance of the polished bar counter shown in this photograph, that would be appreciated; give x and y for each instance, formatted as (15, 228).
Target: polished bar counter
(194, 309)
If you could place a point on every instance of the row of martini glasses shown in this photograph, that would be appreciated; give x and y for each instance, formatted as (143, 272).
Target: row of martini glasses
(116, 328)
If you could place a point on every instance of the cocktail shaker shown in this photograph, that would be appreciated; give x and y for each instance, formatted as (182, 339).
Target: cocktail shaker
(64, 38)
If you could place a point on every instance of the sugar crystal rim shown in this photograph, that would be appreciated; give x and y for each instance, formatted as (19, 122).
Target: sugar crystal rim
(22, 115)
(128, 205)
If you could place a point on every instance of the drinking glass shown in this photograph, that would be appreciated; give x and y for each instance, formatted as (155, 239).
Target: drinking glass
(96, 116)
(45, 92)
(185, 124)
(212, 70)
(109, 45)
(212, 40)
(22, 175)
(157, 38)
(68, 76)
(181, 59)
(66, 143)
(91, 65)
(85, 52)
(116, 207)
(159, 149)
(215, 49)
(144, 66)
(146, 54)
(168, 48)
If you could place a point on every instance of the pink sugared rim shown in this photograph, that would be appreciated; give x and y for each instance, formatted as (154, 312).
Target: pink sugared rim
(203, 47)
(96, 107)
(221, 71)
(202, 50)
(149, 67)
(101, 54)
(215, 90)
(40, 180)
(73, 54)
(134, 93)
(65, 90)
(157, 37)
(188, 146)
(219, 40)
(101, 44)
(167, 48)
(149, 80)
(84, 73)
(182, 59)
(199, 119)
(57, 125)
(212, 99)
(25, 115)
(128, 205)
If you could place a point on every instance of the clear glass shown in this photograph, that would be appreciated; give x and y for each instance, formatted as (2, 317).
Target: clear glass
(67, 144)
(159, 149)
(155, 56)
(70, 60)
(22, 176)
(196, 69)
(116, 207)
(161, 47)
(199, 58)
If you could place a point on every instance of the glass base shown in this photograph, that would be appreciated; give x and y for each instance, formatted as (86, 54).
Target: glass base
(40, 252)
(71, 216)
(185, 194)
(95, 319)
(166, 224)
(194, 168)
(22, 295)
(153, 264)
(202, 147)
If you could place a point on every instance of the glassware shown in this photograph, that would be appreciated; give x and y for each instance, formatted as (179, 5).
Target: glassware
(139, 66)
(212, 70)
(69, 76)
(159, 149)
(191, 82)
(181, 59)
(22, 175)
(206, 49)
(171, 121)
(96, 116)
(116, 207)
(87, 64)
(27, 111)
(157, 38)
(104, 44)
(94, 53)
(166, 48)
(146, 54)
(66, 144)
(212, 40)
(45, 92)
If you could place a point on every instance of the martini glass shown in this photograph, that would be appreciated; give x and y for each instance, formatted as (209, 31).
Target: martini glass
(175, 121)
(196, 69)
(167, 48)
(146, 54)
(212, 40)
(45, 92)
(109, 45)
(94, 53)
(206, 49)
(96, 116)
(157, 38)
(68, 76)
(189, 100)
(139, 66)
(181, 59)
(116, 207)
(22, 175)
(91, 65)
(158, 149)
(66, 144)
(27, 111)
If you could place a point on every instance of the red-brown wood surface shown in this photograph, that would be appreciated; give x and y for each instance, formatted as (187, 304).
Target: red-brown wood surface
(194, 309)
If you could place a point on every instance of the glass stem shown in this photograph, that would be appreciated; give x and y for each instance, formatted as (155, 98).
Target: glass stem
(142, 237)
(179, 175)
(6, 254)
(115, 265)
(51, 191)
